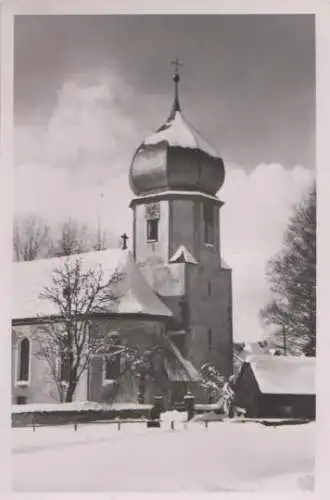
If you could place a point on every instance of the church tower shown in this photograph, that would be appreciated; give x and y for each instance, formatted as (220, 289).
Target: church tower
(175, 176)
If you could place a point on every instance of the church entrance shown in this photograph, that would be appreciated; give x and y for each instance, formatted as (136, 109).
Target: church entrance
(178, 392)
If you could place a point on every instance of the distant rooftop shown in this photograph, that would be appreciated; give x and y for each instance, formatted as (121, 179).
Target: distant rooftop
(283, 374)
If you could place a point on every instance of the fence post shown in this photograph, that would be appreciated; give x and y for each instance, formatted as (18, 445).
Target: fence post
(118, 425)
(172, 425)
(75, 425)
(189, 402)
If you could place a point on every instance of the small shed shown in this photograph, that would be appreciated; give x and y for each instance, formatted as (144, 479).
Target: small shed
(276, 387)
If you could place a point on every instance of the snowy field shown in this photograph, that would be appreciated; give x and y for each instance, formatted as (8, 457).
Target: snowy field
(222, 457)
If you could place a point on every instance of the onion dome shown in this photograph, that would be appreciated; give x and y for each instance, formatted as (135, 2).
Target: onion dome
(176, 157)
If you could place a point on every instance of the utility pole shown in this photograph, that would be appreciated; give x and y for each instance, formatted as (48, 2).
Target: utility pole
(99, 228)
(285, 347)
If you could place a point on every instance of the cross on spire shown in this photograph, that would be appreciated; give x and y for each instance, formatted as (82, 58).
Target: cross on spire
(177, 64)
(176, 78)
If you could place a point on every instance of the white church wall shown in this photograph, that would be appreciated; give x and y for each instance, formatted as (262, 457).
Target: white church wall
(41, 387)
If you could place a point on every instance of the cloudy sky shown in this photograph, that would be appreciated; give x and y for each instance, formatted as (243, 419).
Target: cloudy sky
(89, 89)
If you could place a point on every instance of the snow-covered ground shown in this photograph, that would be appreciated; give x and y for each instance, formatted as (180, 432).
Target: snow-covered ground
(219, 457)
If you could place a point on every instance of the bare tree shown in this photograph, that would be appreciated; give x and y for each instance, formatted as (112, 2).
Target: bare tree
(31, 238)
(66, 342)
(73, 237)
(212, 381)
(292, 276)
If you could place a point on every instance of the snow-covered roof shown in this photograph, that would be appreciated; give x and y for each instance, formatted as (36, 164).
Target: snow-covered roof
(177, 132)
(283, 374)
(183, 255)
(167, 280)
(252, 348)
(224, 265)
(135, 294)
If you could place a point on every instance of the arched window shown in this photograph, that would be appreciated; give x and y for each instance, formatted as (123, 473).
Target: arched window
(152, 214)
(209, 220)
(64, 367)
(23, 368)
(112, 367)
(112, 362)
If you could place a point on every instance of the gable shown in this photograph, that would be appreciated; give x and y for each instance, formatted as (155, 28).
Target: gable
(182, 255)
(246, 388)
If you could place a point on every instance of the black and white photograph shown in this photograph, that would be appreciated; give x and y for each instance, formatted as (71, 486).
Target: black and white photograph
(163, 297)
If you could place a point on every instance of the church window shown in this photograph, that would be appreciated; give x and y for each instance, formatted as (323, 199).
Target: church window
(23, 358)
(21, 400)
(152, 215)
(208, 216)
(152, 230)
(210, 339)
(64, 368)
(112, 362)
(112, 367)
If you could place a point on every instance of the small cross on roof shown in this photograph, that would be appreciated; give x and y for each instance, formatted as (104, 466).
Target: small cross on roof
(177, 64)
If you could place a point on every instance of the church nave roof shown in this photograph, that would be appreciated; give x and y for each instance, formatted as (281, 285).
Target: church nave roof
(135, 294)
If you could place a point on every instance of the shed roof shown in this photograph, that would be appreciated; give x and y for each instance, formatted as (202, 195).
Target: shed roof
(136, 295)
(283, 374)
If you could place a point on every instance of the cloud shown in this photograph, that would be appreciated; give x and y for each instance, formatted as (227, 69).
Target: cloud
(89, 130)
(76, 164)
(253, 220)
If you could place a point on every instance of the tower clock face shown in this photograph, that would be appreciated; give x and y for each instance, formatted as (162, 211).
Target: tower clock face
(152, 211)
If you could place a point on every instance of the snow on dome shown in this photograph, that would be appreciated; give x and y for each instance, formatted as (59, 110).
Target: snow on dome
(176, 157)
(177, 132)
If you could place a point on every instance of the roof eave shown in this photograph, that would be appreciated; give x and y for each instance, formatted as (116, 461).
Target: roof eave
(107, 315)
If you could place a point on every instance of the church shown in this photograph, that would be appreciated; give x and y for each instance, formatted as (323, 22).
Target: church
(176, 288)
